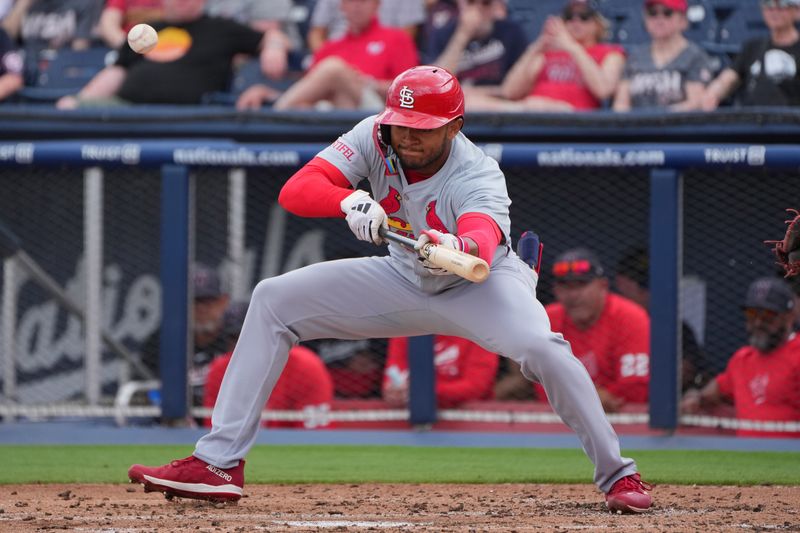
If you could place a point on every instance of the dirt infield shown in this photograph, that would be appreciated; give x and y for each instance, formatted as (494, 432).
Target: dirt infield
(373, 507)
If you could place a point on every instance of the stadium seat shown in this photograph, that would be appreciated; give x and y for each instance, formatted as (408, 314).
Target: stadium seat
(532, 14)
(247, 74)
(66, 72)
(739, 21)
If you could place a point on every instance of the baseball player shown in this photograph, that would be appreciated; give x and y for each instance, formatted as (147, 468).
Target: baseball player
(430, 182)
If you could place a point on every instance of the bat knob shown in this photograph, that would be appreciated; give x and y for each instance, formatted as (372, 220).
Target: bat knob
(529, 249)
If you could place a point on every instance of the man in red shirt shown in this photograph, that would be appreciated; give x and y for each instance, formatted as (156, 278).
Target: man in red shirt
(762, 377)
(353, 72)
(464, 371)
(305, 384)
(610, 334)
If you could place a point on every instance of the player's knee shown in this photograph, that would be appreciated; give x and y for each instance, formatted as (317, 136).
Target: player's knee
(269, 294)
(539, 353)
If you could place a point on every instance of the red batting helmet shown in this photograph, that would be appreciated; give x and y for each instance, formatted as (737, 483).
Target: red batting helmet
(424, 97)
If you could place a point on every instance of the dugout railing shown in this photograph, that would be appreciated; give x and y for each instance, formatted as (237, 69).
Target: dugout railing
(130, 217)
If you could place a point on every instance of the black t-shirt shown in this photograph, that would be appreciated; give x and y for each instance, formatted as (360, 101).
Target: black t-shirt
(769, 73)
(191, 59)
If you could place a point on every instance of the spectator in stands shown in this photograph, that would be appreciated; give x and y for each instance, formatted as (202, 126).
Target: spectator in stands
(610, 334)
(567, 68)
(192, 59)
(119, 16)
(11, 67)
(270, 17)
(328, 22)
(632, 279)
(669, 72)
(210, 303)
(304, 384)
(761, 378)
(42, 26)
(439, 13)
(353, 72)
(477, 47)
(464, 372)
(766, 70)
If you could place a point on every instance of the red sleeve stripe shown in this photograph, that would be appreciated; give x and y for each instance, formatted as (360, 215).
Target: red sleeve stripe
(316, 190)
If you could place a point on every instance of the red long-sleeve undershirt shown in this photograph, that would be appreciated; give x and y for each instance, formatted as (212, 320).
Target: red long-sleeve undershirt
(317, 190)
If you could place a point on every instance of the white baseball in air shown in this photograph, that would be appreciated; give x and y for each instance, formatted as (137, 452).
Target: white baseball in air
(142, 38)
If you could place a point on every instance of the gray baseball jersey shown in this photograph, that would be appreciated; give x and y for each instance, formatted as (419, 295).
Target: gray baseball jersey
(391, 296)
(468, 182)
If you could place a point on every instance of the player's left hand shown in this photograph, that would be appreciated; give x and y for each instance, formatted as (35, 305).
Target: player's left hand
(432, 236)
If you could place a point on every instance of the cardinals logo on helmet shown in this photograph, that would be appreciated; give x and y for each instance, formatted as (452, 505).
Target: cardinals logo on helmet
(406, 97)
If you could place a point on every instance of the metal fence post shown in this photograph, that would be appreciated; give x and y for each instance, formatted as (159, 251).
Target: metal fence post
(174, 336)
(422, 393)
(666, 222)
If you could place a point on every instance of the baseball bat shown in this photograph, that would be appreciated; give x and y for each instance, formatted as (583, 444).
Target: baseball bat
(459, 263)
(11, 246)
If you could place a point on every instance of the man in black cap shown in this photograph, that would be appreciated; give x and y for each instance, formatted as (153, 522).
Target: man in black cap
(610, 334)
(762, 377)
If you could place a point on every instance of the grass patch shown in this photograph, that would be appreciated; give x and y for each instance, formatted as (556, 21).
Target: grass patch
(400, 464)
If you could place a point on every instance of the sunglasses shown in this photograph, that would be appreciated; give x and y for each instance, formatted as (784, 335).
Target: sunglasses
(484, 3)
(653, 12)
(766, 315)
(580, 267)
(583, 15)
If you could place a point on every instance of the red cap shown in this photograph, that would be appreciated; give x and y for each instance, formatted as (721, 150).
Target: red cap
(423, 97)
(677, 5)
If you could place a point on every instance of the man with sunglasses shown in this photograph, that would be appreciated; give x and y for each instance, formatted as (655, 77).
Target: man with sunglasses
(766, 69)
(608, 333)
(762, 377)
(669, 72)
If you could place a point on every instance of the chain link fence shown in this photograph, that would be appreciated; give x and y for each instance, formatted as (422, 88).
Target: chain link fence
(241, 233)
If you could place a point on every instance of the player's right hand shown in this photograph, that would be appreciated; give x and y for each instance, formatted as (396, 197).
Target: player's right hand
(432, 236)
(365, 216)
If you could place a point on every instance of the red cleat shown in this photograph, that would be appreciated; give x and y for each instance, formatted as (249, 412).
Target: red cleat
(191, 478)
(629, 495)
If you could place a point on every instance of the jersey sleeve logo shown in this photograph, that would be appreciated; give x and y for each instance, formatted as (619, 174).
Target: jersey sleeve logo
(340, 146)
(407, 97)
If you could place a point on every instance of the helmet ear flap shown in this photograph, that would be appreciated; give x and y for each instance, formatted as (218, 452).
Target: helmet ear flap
(384, 134)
